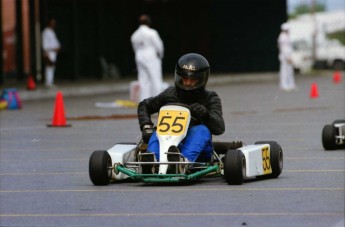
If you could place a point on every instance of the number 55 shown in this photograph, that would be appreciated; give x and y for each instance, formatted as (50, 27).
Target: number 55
(168, 124)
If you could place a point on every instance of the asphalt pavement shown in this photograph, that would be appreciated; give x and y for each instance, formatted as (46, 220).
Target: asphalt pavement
(44, 179)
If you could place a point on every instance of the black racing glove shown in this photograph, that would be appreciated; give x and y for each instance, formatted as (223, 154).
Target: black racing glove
(147, 132)
(199, 112)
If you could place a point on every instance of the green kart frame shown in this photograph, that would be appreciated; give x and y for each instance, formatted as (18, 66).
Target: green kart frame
(168, 178)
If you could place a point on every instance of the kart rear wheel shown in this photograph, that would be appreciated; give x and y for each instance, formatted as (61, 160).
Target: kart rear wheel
(223, 147)
(100, 167)
(328, 137)
(276, 158)
(338, 122)
(234, 167)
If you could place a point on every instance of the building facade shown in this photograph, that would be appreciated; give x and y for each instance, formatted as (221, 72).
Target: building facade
(235, 36)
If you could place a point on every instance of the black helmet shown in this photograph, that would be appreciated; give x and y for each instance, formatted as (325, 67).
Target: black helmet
(191, 67)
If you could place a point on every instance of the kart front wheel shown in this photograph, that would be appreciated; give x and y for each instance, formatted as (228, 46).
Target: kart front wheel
(100, 168)
(234, 167)
(328, 137)
(276, 158)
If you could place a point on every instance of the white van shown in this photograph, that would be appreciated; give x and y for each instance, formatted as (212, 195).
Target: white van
(330, 54)
(301, 56)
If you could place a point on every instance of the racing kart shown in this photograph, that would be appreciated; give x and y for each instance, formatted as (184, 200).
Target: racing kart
(333, 136)
(232, 160)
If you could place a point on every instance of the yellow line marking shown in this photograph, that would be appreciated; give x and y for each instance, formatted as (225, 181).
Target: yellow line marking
(41, 173)
(166, 189)
(175, 214)
(44, 160)
(314, 170)
(307, 158)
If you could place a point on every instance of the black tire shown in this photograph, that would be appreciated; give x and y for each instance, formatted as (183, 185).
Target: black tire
(342, 121)
(234, 167)
(100, 168)
(223, 147)
(276, 158)
(338, 122)
(328, 137)
(339, 65)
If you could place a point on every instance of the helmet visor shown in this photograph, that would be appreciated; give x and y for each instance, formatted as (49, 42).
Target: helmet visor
(190, 80)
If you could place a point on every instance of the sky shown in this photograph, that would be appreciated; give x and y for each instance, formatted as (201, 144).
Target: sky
(331, 5)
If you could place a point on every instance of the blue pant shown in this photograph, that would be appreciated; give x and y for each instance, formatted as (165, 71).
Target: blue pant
(196, 146)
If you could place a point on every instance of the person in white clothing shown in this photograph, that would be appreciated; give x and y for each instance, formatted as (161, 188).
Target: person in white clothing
(286, 72)
(148, 48)
(51, 46)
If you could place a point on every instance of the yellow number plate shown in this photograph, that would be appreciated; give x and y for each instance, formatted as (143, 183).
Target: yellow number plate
(172, 122)
(266, 160)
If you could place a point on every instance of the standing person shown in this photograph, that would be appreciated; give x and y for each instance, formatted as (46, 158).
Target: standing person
(51, 46)
(286, 72)
(191, 76)
(149, 50)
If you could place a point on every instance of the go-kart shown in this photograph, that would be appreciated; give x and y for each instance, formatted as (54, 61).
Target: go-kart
(232, 160)
(333, 136)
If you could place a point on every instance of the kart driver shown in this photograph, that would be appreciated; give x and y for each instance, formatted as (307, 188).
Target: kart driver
(191, 74)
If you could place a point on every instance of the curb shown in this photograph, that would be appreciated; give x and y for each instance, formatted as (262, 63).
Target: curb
(116, 86)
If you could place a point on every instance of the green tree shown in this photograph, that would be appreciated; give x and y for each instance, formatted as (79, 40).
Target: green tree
(307, 8)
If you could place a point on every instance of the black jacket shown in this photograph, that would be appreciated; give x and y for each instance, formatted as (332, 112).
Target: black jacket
(208, 99)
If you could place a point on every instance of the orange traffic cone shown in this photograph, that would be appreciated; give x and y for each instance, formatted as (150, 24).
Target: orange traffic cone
(59, 119)
(337, 77)
(31, 83)
(314, 91)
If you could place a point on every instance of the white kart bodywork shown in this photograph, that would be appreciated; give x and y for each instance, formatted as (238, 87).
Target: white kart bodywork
(254, 159)
(340, 136)
(121, 153)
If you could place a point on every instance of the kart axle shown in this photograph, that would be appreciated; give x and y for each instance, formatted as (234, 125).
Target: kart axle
(164, 178)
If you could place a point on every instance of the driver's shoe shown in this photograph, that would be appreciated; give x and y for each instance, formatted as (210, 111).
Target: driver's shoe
(147, 157)
(173, 156)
